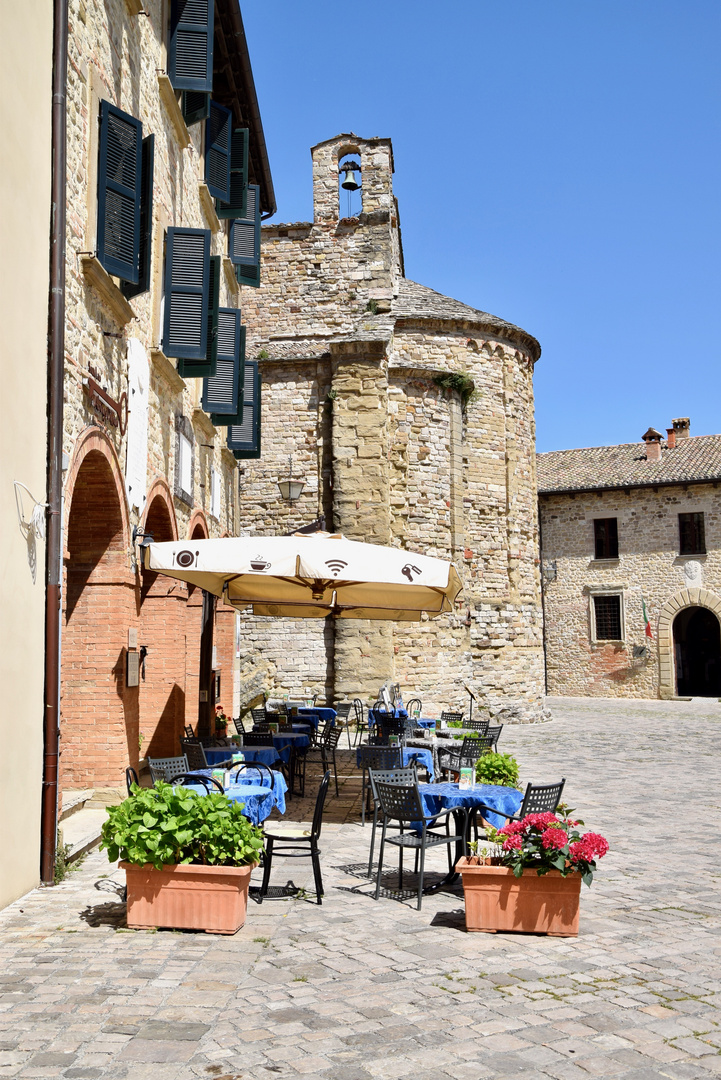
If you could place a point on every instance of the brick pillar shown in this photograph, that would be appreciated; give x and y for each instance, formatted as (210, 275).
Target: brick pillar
(361, 508)
(162, 692)
(225, 654)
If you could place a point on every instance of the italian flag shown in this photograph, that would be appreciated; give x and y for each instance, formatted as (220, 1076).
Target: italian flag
(645, 619)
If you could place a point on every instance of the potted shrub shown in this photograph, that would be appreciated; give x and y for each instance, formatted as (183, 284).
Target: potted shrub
(499, 769)
(531, 879)
(187, 858)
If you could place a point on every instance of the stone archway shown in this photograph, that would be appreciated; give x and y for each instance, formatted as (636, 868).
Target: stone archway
(99, 712)
(683, 599)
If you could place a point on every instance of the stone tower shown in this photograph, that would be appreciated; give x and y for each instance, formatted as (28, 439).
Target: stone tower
(409, 416)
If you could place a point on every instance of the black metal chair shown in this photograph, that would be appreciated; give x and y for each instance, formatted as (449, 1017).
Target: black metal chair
(413, 704)
(259, 716)
(495, 734)
(451, 717)
(296, 842)
(253, 766)
(473, 747)
(258, 738)
(391, 725)
(376, 757)
(239, 725)
(189, 733)
(342, 717)
(476, 725)
(195, 754)
(131, 777)
(403, 776)
(188, 779)
(360, 720)
(403, 804)
(538, 799)
(167, 767)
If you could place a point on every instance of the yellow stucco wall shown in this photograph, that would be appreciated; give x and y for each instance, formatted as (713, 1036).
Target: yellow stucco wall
(26, 94)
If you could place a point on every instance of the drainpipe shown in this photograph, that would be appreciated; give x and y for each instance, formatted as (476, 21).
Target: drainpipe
(56, 363)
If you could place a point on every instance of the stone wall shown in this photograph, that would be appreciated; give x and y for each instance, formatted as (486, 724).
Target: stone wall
(648, 568)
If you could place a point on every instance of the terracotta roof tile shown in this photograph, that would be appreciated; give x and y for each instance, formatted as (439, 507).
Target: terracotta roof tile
(594, 468)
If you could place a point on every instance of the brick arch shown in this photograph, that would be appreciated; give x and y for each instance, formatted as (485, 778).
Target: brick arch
(198, 526)
(680, 600)
(93, 440)
(160, 494)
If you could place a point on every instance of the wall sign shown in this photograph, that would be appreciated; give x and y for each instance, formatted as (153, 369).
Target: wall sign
(110, 411)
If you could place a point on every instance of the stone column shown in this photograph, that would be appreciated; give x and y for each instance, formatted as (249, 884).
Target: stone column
(361, 508)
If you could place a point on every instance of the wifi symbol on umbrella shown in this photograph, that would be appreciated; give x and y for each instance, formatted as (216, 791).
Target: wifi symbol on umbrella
(336, 565)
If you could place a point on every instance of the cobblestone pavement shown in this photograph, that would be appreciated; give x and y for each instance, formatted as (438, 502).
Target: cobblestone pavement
(357, 989)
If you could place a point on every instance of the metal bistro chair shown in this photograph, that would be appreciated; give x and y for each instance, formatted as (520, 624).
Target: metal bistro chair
(297, 842)
(360, 720)
(538, 799)
(404, 805)
(477, 725)
(259, 716)
(452, 717)
(254, 766)
(413, 704)
(376, 757)
(471, 749)
(342, 717)
(258, 738)
(495, 734)
(189, 733)
(188, 779)
(406, 777)
(165, 768)
(391, 725)
(194, 753)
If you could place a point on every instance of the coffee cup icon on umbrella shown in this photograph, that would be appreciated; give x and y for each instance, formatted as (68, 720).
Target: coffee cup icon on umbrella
(259, 563)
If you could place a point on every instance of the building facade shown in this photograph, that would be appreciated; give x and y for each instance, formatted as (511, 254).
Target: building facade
(24, 230)
(165, 156)
(630, 540)
(409, 418)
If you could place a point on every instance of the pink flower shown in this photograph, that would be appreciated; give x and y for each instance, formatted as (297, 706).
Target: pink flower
(511, 828)
(590, 846)
(538, 821)
(554, 838)
(513, 843)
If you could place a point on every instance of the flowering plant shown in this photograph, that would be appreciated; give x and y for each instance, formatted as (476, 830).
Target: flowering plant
(221, 720)
(544, 842)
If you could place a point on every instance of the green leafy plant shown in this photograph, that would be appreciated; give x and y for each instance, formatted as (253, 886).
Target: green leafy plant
(456, 380)
(544, 842)
(263, 354)
(500, 769)
(165, 826)
(372, 307)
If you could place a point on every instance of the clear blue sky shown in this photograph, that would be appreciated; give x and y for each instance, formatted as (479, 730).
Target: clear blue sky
(557, 164)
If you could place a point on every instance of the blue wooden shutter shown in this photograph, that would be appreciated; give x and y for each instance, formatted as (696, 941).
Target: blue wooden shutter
(205, 367)
(220, 392)
(244, 438)
(237, 204)
(217, 151)
(226, 419)
(190, 55)
(196, 106)
(187, 281)
(146, 223)
(119, 191)
(245, 241)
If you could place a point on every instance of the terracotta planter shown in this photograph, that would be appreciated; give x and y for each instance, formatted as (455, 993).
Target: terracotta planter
(498, 901)
(210, 898)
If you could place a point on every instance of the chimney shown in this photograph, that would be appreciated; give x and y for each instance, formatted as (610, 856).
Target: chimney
(682, 427)
(671, 437)
(652, 438)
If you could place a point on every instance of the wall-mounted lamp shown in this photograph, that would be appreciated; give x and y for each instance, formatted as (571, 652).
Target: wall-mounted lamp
(290, 489)
(147, 538)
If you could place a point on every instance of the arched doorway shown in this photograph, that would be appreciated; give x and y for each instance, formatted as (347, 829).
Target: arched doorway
(162, 633)
(697, 652)
(99, 713)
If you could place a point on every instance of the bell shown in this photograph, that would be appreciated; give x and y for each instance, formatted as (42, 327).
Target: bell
(350, 183)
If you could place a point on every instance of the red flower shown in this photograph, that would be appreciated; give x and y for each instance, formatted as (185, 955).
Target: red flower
(539, 821)
(590, 846)
(554, 838)
(513, 843)
(511, 828)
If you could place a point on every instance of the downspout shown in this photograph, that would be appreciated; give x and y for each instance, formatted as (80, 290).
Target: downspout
(543, 602)
(56, 363)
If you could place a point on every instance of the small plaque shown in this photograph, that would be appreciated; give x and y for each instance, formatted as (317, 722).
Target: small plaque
(133, 670)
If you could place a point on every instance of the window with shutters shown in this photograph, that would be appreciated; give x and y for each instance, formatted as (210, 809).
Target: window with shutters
(607, 620)
(195, 107)
(187, 286)
(217, 151)
(244, 242)
(221, 391)
(214, 493)
(145, 247)
(237, 204)
(119, 192)
(692, 534)
(190, 49)
(244, 438)
(184, 458)
(606, 538)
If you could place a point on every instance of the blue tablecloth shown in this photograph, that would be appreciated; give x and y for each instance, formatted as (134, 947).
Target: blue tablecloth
(259, 777)
(316, 715)
(437, 797)
(267, 754)
(425, 758)
(285, 742)
(257, 800)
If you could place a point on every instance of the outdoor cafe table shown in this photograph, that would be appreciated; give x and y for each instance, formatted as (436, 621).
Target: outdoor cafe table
(267, 755)
(316, 715)
(258, 800)
(425, 759)
(465, 802)
(437, 742)
(401, 714)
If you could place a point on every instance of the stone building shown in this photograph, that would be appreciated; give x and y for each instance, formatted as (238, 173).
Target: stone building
(167, 85)
(409, 418)
(623, 527)
(25, 181)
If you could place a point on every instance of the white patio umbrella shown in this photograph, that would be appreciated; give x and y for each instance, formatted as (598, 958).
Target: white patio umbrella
(311, 576)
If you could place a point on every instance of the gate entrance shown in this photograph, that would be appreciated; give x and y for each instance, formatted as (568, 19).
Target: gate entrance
(697, 648)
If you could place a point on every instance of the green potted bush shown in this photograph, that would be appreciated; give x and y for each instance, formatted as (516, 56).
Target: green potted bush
(187, 858)
(499, 769)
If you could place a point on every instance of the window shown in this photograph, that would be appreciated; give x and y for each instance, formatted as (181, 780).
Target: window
(184, 459)
(692, 535)
(244, 242)
(606, 537)
(190, 55)
(214, 493)
(244, 438)
(188, 295)
(119, 192)
(607, 617)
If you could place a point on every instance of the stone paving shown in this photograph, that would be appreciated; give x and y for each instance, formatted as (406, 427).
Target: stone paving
(356, 989)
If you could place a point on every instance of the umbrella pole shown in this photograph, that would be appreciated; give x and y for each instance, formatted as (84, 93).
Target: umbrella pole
(205, 674)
